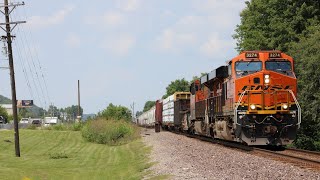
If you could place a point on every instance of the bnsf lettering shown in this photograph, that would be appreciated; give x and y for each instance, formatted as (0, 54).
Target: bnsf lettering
(264, 88)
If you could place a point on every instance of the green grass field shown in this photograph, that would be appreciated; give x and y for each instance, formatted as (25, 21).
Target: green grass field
(65, 155)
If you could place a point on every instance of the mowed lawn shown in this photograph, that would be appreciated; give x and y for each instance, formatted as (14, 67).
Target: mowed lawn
(84, 160)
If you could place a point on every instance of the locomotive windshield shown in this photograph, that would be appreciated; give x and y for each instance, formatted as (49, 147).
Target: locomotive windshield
(247, 67)
(283, 67)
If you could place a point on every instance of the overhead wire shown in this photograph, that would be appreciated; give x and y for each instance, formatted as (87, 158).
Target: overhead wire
(31, 64)
(22, 49)
(37, 57)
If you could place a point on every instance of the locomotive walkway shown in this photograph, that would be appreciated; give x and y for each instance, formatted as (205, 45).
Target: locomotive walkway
(181, 157)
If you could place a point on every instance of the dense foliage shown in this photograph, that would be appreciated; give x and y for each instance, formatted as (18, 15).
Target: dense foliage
(275, 24)
(109, 132)
(148, 105)
(293, 27)
(113, 112)
(179, 85)
(307, 55)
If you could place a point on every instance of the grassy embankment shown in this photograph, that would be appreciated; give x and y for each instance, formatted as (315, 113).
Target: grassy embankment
(49, 154)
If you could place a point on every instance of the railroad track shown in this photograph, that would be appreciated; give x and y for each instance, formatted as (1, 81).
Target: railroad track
(297, 157)
(301, 158)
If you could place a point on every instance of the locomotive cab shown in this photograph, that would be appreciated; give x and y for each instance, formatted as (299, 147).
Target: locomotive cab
(266, 111)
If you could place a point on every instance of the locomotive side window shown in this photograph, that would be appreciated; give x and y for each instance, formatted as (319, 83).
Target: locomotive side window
(244, 68)
(280, 66)
(230, 69)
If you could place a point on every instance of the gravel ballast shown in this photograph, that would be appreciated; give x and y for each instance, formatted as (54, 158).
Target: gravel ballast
(181, 157)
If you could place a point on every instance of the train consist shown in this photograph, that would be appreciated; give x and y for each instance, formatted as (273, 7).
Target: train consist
(250, 100)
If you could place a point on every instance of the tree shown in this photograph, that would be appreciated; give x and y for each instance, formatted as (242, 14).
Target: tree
(113, 112)
(179, 85)
(275, 24)
(148, 105)
(307, 55)
(54, 111)
(196, 77)
(138, 113)
(4, 113)
(23, 112)
(72, 111)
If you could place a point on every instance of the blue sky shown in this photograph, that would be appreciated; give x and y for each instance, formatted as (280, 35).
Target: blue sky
(122, 51)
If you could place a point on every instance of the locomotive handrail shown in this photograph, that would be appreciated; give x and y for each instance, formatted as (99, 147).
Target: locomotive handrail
(290, 91)
(237, 105)
(298, 106)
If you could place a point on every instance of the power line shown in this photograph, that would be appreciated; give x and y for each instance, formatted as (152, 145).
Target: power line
(29, 59)
(37, 57)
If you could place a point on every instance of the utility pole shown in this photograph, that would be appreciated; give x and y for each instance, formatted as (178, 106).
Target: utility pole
(79, 113)
(133, 114)
(8, 31)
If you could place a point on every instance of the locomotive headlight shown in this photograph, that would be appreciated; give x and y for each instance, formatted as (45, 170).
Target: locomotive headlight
(253, 107)
(285, 106)
(267, 78)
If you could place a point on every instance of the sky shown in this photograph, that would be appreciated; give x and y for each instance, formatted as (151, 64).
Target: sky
(122, 51)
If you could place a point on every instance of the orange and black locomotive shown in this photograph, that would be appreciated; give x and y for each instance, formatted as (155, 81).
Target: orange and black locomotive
(251, 100)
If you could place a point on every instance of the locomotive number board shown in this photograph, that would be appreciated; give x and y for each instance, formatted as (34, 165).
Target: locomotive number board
(252, 55)
(274, 55)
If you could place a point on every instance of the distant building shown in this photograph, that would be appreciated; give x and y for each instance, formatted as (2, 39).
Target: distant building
(51, 120)
(8, 107)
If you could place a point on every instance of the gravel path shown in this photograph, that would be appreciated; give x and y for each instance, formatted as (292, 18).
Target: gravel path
(186, 158)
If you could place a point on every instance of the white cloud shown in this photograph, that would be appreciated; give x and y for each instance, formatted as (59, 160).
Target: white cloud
(129, 5)
(56, 18)
(215, 45)
(219, 6)
(211, 22)
(120, 45)
(108, 19)
(165, 41)
(73, 40)
(113, 18)
(171, 40)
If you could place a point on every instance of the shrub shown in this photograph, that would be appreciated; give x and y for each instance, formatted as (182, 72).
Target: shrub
(109, 132)
(305, 142)
(76, 127)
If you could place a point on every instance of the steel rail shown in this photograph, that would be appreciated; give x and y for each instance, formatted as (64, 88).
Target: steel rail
(304, 151)
(309, 163)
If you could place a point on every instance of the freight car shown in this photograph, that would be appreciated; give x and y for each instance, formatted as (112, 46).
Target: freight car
(174, 108)
(147, 119)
